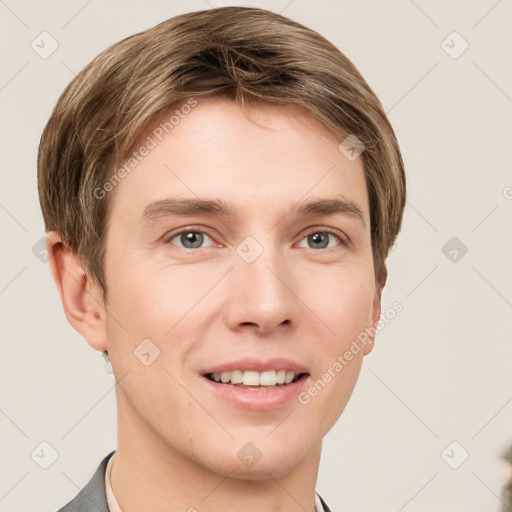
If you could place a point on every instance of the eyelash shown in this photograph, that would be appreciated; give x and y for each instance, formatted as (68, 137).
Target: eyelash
(343, 240)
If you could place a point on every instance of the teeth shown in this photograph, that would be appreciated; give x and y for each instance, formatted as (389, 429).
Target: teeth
(267, 378)
(237, 377)
(289, 377)
(252, 378)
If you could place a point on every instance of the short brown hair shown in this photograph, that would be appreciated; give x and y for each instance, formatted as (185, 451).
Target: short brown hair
(246, 54)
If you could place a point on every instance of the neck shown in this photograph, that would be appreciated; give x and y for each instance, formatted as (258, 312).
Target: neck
(150, 475)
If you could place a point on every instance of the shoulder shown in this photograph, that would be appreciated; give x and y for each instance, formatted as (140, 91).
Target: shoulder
(92, 497)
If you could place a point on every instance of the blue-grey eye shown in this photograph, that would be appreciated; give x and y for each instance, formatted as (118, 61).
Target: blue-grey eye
(321, 240)
(190, 239)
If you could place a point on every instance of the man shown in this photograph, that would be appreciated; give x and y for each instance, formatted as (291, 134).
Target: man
(220, 193)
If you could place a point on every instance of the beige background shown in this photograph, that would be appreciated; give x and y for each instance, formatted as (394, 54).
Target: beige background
(441, 369)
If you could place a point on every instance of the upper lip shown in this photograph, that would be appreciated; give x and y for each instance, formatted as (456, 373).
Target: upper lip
(257, 365)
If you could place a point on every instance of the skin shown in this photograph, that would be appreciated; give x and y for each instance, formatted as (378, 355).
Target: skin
(177, 441)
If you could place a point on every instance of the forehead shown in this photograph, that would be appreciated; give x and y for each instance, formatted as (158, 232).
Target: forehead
(265, 156)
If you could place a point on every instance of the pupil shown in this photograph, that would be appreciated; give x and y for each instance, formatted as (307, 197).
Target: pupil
(193, 238)
(319, 238)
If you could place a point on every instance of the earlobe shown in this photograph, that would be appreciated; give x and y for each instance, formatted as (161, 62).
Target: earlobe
(81, 297)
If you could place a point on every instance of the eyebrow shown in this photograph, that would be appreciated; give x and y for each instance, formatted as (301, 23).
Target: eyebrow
(218, 207)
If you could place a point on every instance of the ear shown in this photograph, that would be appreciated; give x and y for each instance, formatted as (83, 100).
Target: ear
(374, 317)
(81, 297)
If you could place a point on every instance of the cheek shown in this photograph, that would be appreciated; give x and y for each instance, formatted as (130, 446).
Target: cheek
(352, 312)
(342, 298)
(151, 300)
(165, 306)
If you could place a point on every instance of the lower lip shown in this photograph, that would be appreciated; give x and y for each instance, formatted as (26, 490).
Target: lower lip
(257, 399)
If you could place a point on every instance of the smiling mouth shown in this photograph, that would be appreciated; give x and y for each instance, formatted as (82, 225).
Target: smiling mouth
(256, 380)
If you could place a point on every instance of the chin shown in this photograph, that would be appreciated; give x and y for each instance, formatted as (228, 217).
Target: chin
(258, 461)
(262, 470)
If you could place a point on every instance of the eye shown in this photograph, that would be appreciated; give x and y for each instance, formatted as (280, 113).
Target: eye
(189, 239)
(321, 239)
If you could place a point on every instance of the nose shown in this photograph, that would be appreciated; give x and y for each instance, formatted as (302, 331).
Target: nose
(261, 296)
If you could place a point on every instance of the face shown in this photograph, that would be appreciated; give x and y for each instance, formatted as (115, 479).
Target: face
(214, 258)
